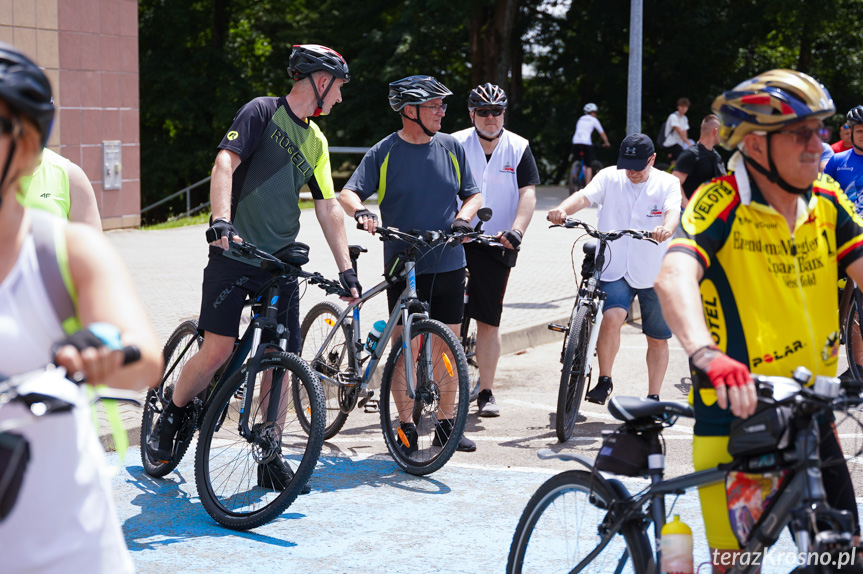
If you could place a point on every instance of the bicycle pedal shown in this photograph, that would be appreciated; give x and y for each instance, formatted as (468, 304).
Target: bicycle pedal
(558, 328)
(371, 406)
(362, 402)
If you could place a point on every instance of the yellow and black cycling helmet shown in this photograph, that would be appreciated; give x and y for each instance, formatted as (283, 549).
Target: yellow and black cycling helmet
(768, 102)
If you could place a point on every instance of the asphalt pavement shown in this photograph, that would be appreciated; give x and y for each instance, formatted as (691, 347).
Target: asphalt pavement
(364, 514)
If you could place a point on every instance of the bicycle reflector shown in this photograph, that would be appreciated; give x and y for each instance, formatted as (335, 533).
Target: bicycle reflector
(447, 364)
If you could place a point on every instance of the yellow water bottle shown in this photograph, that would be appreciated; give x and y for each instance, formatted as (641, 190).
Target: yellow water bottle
(676, 547)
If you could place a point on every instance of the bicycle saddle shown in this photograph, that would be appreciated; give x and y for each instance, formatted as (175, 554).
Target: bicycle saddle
(634, 408)
(589, 248)
(296, 254)
(355, 250)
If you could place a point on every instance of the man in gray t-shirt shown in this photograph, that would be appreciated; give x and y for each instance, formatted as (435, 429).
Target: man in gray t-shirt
(420, 175)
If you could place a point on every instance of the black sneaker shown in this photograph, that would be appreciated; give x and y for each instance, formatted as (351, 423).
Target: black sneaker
(407, 438)
(487, 405)
(600, 393)
(160, 445)
(442, 432)
(653, 397)
(277, 474)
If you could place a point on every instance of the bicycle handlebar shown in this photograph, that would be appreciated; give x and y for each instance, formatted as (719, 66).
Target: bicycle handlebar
(249, 251)
(613, 235)
(418, 238)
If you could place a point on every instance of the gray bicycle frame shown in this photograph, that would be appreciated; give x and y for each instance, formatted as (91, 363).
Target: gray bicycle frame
(804, 489)
(400, 311)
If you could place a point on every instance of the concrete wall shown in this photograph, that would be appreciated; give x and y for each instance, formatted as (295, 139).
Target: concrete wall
(89, 49)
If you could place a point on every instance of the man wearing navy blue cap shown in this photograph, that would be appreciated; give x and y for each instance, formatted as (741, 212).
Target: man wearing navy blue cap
(631, 195)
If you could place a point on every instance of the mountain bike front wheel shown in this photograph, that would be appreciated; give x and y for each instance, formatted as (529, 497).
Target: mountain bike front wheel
(573, 374)
(317, 325)
(246, 481)
(438, 411)
(561, 526)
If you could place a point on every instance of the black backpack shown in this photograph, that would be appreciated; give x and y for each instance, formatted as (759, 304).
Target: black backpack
(660, 138)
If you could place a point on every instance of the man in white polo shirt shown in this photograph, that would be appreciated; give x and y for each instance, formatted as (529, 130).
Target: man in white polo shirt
(631, 195)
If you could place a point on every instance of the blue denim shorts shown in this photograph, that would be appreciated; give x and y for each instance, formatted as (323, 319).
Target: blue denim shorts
(620, 295)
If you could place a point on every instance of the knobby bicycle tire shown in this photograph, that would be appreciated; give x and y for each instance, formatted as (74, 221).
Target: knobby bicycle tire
(853, 322)
(468, 343)
(572, 375)
(560, 525)
(445, 386)
(226, 464)
(575, 180)
(317, 324)
(183, 343)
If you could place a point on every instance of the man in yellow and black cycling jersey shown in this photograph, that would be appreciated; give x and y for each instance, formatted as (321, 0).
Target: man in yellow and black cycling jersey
(267, 155)
(749, 281)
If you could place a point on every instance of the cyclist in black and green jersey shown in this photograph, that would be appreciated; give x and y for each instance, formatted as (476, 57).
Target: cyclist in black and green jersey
(270, 151)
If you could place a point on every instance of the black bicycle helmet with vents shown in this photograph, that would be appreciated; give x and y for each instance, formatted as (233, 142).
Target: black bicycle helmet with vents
(854, 116)
(24, 87)
(487, 95)
(415, 90)
(309, 58)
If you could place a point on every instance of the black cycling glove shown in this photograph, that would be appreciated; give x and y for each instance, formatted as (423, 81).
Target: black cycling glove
(513, 236)
(96, 335)
(348, 278)
(461, 226)
(365, 213)
(220, 228)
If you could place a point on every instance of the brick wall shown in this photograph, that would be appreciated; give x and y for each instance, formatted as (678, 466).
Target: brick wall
(89, 49)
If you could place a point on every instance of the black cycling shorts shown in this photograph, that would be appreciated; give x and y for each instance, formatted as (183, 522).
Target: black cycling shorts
(583, 152)
(228, 283)
(487, 285)
(443, 291)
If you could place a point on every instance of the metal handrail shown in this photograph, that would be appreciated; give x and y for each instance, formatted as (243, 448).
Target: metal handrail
(188, 189)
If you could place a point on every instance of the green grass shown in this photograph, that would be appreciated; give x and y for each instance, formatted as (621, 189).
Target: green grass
(203, 217)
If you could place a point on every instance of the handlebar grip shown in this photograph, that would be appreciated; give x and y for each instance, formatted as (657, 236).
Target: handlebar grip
(360, 226)
(211, 235)
(131, 354)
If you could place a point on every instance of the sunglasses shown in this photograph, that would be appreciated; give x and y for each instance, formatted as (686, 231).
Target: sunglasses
(802, 135)
(486, 113)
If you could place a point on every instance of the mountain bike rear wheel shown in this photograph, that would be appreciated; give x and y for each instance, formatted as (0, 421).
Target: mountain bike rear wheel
(183, 343)
(573, 374)
(561, 525)
(234, 472)
(441, 395)
(317, 325)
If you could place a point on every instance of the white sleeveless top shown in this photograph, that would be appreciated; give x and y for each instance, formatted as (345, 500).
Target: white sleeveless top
(495, 177)
(64, 519)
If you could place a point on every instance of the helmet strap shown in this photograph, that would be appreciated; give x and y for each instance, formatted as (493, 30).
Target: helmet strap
(12, 146)
(773, 175)
(418, 121)
(320, 98)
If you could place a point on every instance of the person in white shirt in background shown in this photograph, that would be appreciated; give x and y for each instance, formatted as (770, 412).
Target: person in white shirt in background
(631, 195)
(582, 145)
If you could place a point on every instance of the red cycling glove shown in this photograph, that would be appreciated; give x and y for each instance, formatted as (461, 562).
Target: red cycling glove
(719, 368)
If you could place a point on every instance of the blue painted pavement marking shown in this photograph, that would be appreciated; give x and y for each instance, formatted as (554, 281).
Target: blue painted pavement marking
(363, 515)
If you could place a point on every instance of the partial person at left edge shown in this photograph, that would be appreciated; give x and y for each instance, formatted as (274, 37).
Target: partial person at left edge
(60, 186)
(64, 518)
